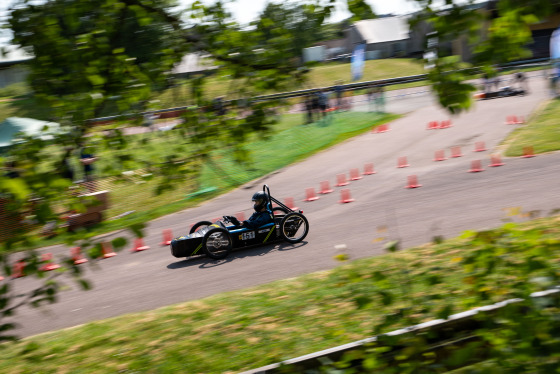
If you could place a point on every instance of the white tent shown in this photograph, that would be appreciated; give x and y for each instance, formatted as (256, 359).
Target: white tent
(28, 126)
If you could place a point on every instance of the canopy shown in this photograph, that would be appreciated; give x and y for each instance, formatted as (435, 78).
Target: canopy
(29, 126)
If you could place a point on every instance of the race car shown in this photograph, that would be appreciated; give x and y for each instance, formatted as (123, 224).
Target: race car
(217, 239)
(505, 91)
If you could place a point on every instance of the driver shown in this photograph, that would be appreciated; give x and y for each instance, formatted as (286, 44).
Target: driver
(261, 216)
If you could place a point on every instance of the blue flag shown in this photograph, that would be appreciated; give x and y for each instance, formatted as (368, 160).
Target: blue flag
(357, 63)
(555, 50)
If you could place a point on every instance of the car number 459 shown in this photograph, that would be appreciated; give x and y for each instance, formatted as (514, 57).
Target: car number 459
(248, 235)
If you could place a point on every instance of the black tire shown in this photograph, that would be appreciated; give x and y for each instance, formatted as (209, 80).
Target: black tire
(279, 209)
(198, 225)
(217, 243)
(294, 227)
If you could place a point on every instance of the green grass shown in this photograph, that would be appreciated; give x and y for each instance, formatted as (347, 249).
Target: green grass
(246, 329)
(542, 132)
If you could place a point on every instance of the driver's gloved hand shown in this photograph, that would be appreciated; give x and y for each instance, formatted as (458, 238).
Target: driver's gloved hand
(233, 220)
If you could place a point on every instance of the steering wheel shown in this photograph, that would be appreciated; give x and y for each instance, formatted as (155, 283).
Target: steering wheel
(233, 220)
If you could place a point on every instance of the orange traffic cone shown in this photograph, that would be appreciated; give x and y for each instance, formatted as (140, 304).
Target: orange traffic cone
(445, 124)
(432, 125)
(402, 162)
(528, 152)
(368, 169)
(341, 180)
(456, 152)
(495, 160)
(440, 155)
(167, 237)
(382, 128)
(310, 194)
(49, 265)
(107, 250)
(345, 196)
(77, 256)
(289, 202)
(139, 245)
(18, 269)
(355, 175)
(412, 182)
(476, 167)
(479, 147)
(325, 188)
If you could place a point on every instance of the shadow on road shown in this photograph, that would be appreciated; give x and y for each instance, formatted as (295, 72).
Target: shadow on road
(204, 262)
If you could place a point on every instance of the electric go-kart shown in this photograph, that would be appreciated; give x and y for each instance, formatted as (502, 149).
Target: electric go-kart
(216, 240)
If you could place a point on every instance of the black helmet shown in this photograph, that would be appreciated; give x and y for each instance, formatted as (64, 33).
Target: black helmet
(259, 199)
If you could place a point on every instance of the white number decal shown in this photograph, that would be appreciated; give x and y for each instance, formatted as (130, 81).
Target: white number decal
(248, 235)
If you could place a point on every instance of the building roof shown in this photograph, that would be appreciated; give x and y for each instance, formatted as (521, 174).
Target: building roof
(381, 30)
(13, 56)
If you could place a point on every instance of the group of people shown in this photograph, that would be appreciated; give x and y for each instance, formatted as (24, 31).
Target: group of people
(86, 160)
(316, 106)
(376, 98)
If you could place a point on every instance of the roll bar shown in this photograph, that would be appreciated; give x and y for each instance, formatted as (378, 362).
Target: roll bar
(266, 190)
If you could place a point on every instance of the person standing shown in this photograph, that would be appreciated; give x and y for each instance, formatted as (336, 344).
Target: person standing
(65, 168)
(87, 158)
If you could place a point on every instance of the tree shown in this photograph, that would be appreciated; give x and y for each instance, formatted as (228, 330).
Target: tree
(360, 10)
(497, 33)
(107, 56)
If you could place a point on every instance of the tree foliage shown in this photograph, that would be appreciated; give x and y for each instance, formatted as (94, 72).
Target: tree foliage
(497, 32)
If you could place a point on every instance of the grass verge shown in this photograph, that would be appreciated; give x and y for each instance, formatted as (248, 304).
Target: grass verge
(246, 329)
(542, 132)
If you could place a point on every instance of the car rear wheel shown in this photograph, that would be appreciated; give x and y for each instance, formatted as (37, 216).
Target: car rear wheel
(294, 227)
(199, 225)
(217, 243)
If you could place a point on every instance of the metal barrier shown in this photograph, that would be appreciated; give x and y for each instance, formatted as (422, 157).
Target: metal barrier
(457, 330)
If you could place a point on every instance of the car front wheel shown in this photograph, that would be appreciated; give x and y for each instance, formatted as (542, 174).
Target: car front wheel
(217, 243)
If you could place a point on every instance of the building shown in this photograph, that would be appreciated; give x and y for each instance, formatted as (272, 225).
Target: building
(12, 67)
(384, 37)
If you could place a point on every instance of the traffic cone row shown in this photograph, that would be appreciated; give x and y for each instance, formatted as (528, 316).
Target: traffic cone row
(434, 125)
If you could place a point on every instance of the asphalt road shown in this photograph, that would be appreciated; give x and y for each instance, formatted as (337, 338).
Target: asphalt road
(450, 201)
